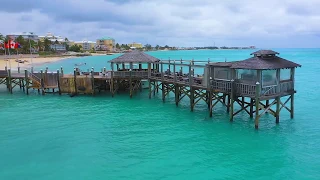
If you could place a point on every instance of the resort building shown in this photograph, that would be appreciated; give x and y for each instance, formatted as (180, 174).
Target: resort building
(25, 35)
(53, 38)
(58, 47)
(85, 45)
(135, 45)
(105, 44)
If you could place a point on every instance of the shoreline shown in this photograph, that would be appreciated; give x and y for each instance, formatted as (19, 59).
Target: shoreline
(36, 61)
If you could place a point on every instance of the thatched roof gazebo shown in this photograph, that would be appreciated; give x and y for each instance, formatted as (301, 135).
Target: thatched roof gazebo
(130, 59)
(264, 60)
(134, 57)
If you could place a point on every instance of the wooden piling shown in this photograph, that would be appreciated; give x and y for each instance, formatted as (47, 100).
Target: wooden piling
(232, 95)
(278, 110)
(92, 82)
(26, 81)
(257, 97)
(58, 81)
(42, 82)
(75, 81)
(251, 108)
(10, 81)
(130, 83)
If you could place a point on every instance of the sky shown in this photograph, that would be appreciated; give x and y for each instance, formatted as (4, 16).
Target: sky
(182, 23)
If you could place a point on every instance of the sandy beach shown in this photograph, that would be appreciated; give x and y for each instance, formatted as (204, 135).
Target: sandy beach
(36, 61)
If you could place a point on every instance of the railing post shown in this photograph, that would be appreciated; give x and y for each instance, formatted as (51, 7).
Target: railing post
(61, 71)
(257, 98)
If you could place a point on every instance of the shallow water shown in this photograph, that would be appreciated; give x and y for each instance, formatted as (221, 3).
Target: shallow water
(85, 137)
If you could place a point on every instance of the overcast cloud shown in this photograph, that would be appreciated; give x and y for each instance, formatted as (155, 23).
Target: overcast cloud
(264, 23)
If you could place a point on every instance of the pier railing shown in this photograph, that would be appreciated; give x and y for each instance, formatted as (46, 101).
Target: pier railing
(221, 86)
(128, 74)
(243, 89)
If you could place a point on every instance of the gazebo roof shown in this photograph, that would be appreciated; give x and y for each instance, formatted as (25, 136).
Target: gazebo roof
(268, 60)
(135, 57)
(264, 52)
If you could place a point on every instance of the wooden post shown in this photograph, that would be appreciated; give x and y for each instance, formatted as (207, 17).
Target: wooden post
(210, 103)
(228, 103)
(292, 95)
(117, 66)
(278, 110)
(10, 81)
(61, 71)
(130, 82)
(251, 108)
(75, 81)
(42, 82)
(20, 84)
(92, 82)
(191, 88)
(162, 83)
(232, 95)
(27, 81)
(112, 81)
(257, 97)
(58, 81)
(149, 76)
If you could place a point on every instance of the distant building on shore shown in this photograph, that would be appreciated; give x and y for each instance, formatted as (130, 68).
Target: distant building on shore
(105, 44)
(53, 38)
(85, 45)
(135, 45)
(25, 35)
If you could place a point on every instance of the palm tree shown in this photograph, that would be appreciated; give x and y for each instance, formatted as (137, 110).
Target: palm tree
(55, 45)
(1, 37)
(46, 44)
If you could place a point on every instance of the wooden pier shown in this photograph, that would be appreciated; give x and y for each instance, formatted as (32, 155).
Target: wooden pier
(255, 85)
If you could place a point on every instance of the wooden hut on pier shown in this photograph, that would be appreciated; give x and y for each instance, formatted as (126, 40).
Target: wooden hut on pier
(130, 69)
(256, 84)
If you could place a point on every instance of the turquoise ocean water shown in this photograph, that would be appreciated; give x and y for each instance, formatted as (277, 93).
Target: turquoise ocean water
(57, 137)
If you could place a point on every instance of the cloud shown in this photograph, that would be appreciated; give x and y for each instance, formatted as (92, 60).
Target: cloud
(264, 23)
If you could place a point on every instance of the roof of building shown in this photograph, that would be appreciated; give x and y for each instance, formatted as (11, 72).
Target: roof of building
(106, 38)
(84, 41)
(264, 52)
(135, 57)
(264, 60)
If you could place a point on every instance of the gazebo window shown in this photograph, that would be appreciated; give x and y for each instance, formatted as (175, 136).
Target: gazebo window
(222, 73)
(269, 78)
(284, 74)
(248, 76)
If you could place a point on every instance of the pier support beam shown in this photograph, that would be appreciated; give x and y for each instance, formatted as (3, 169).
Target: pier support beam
(58, 81)
(257, 96)
(26, 79)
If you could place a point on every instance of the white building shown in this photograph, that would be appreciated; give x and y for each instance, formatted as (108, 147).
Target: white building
(86, 45)
(25, 35)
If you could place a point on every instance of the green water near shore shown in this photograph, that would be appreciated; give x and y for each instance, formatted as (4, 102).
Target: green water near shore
(85, 137)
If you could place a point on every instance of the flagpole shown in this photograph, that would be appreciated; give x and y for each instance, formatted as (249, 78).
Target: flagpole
(31, 54)
(5, 54)
(9, 54)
